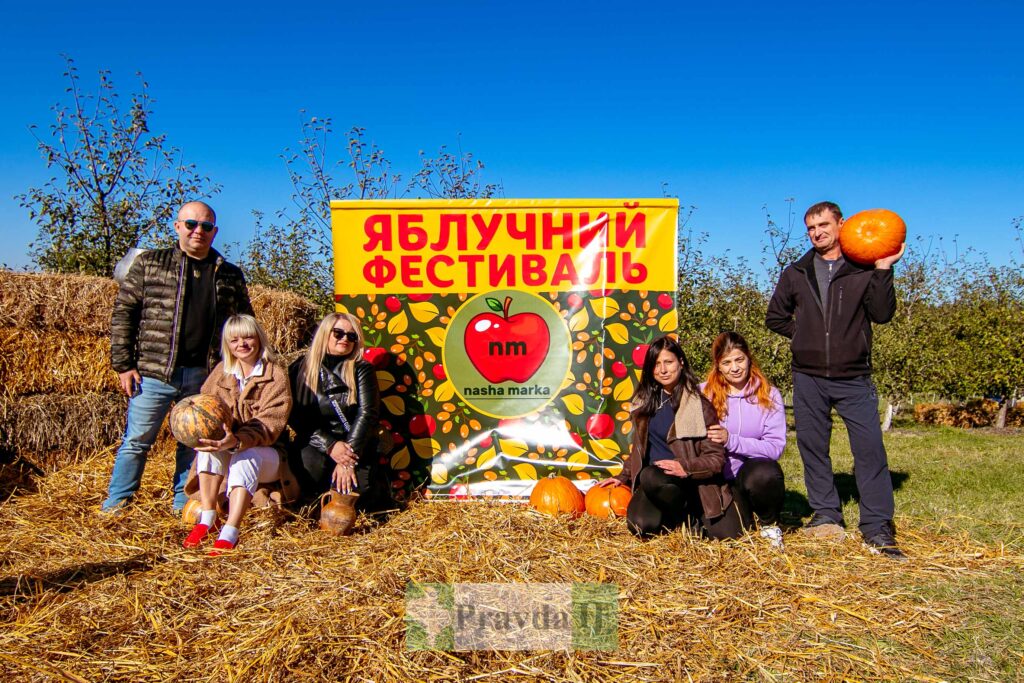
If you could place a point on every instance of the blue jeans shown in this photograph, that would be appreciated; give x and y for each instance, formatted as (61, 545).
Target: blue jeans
(146, 412)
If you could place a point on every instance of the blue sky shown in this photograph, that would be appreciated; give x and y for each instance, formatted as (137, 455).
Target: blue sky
(912, 106)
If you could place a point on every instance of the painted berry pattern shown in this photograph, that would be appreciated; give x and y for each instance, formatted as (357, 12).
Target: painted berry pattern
(457, 452)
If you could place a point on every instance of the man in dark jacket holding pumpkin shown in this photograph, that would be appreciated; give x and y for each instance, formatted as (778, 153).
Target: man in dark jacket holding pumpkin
(165, 337)
(825, 305)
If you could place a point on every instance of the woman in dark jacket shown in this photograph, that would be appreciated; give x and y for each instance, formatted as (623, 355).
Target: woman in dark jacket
(335, 415)
(675, 470)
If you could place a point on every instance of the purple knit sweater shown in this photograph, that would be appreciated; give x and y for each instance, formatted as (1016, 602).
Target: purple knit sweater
(753, 431)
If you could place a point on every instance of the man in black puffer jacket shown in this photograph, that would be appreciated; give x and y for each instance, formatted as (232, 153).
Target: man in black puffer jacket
(825, 305)
(165, 337)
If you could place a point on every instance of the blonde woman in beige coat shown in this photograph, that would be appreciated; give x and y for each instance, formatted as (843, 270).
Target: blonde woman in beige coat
(256, 389)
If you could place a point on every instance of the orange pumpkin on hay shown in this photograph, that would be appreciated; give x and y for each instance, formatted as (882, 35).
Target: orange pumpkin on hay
(556, 496)
(867, 236)
(607, 501)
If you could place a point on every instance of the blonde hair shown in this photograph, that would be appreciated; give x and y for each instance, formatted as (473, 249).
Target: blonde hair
(310, 371)
(243, 326)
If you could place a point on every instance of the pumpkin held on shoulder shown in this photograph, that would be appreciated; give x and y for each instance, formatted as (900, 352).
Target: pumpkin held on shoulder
(869, 235)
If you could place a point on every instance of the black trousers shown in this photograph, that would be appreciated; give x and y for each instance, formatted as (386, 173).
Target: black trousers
(856, 401)
(313, 469)
(662, 502)
(759, 490)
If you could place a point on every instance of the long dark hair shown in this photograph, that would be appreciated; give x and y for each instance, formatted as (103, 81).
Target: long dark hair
(648, 394)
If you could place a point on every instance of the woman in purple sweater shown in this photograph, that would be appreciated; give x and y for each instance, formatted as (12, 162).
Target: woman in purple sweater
(753, 431)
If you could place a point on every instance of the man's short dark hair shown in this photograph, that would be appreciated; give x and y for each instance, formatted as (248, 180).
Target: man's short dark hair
(821, 207)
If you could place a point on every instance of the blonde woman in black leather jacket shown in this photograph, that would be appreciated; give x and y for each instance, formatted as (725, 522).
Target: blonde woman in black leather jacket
(335, 414)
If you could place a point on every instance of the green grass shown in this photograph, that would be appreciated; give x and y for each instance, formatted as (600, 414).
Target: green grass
(972, 479)
(961, 481)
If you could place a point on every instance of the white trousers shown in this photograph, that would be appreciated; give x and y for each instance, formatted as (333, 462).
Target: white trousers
(248, 468)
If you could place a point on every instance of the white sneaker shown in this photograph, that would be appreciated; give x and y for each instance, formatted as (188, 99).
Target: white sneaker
(774, 535)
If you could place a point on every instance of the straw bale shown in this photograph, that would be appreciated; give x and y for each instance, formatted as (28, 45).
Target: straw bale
(1015, 416)
(976, 413)
(81, 303)
(85, 596)
(43, 424)
(34, 361)
(289, 319)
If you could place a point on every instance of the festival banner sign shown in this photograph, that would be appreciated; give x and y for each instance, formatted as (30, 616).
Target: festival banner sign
(508, 335)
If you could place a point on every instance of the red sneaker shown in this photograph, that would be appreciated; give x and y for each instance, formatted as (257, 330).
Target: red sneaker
(196, 536)
(220, 545)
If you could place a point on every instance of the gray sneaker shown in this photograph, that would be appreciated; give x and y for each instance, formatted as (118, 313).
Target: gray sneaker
(774, 535)
(116, 509)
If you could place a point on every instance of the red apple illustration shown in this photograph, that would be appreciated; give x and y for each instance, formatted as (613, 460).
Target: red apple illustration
(577, 439)
(420, 297)
(665, 301)
(422, 425)
(511, 427)
(458, 492)
(393, 304)
(619, 369)
(439, 374)
(575, 302)
(600, 426)
(506, 347)
(639, 353)
(376, 356)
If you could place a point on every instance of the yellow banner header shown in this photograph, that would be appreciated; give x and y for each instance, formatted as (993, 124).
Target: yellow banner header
(474, 245)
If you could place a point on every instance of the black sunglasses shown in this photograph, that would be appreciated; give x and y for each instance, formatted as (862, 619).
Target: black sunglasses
(192, 224)
(340, 334)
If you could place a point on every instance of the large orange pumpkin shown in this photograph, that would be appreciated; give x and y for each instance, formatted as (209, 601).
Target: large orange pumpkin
(607, 501)
(199, 417)
(555, 496)
(869, 235)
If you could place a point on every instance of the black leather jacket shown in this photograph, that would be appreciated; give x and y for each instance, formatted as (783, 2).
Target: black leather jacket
(317, 424)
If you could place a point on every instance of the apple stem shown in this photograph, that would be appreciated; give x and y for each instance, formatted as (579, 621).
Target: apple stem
(508, 304)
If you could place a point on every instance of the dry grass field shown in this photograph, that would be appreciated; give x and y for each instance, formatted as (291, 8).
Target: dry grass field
(86, 597)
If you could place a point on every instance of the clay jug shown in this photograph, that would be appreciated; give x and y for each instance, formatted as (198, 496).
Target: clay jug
(338, 512)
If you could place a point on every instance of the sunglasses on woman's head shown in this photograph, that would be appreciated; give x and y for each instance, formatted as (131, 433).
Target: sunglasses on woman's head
(340, 334)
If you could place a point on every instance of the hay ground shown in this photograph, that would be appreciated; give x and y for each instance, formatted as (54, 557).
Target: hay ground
(85, 597)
